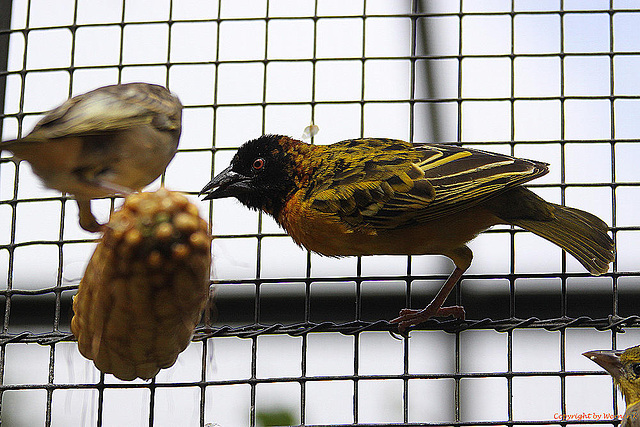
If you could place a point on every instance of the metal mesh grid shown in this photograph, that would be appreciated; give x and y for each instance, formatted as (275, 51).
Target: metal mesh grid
(307, 330)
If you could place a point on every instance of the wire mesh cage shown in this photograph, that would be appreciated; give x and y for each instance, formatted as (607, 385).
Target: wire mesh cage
(300, 339)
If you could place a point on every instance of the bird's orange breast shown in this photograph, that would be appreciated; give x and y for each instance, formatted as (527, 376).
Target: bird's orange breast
(328, 234)
(317, 231)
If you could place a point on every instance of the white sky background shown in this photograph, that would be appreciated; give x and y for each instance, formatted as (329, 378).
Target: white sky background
(538, 124)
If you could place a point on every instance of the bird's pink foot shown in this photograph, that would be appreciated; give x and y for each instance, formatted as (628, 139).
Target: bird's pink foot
(410, 317)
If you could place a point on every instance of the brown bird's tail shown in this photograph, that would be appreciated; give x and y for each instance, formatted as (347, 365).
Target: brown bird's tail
(8, 144)
(18, 146)
(580, 233)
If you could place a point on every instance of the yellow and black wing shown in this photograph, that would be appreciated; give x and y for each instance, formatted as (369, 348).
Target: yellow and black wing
(386, 184)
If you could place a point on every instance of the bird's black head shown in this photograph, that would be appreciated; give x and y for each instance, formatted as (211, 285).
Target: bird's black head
(260, 176)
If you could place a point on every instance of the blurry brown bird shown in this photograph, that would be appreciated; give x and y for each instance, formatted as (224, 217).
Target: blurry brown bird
(624, 367)
(113, 140)
(381, 196)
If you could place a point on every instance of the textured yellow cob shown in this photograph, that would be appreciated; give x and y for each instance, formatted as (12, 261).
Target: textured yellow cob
(145, 287)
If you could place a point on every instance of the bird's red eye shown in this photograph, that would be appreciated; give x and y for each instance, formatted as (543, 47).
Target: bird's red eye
(258, 164)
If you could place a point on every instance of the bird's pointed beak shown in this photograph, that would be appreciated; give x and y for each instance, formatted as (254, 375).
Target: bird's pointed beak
(608, 359)
(227, 183)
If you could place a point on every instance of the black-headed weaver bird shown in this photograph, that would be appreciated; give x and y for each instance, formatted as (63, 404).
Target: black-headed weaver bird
(377, 196)
(112, 140)
(624, 367)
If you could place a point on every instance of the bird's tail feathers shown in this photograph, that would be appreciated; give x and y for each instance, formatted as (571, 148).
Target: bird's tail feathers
(581, 234)
(20, 147)
(12, 144)
(6, 145)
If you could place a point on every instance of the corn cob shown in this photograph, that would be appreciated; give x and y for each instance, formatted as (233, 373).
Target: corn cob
(145, 286)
